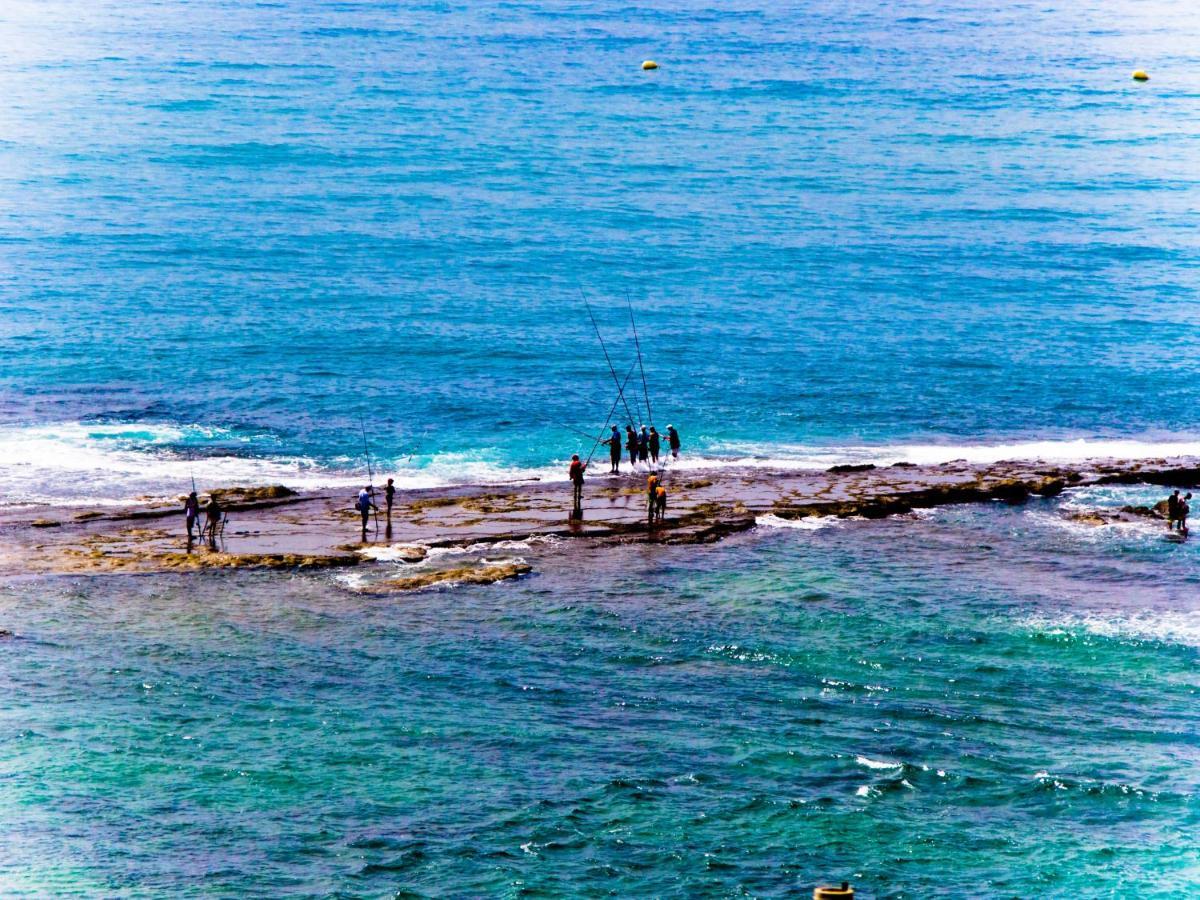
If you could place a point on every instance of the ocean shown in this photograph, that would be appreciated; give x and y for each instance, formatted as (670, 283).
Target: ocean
(239, 240)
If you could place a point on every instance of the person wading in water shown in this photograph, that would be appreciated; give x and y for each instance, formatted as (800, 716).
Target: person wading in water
(673, 441)
(655, 444)
(631, 444)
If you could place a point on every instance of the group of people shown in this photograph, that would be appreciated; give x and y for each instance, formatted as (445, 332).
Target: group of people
(1178, 510)
(365, 504)
(213, 516)
(642, 446)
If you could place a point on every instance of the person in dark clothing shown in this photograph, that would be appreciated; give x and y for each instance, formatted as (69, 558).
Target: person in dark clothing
(644, 445)
(614, 451)
(212, 519)
(389, 495)
(191, 512)
(1172, 510)
(1185, 510)
(673, 441)
(576, 472)
(655, 445)
(631, 444)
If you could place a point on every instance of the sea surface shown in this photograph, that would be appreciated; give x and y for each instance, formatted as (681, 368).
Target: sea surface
(982, 702)
(232, 230)
(249, 243)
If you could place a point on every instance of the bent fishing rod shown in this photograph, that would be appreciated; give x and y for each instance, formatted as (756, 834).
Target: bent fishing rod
(620, 394)
(637, 343)
(612, 370)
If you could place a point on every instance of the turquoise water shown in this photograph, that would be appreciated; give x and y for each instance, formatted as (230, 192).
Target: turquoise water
(840, 225)
(988, 702)
(232, 231)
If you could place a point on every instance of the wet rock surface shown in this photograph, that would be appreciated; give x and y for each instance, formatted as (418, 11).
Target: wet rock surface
(273, 527)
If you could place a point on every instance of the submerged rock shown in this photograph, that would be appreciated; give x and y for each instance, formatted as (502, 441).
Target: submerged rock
(459, 575)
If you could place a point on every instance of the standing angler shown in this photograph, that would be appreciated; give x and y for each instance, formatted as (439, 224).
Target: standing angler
(364, 505)
(644, 445)
(660, 503)
(655, 444)
(576, 472)
(191, 512)
(631, 444)
(651, 487)
(614, 451)
(673, 441)
(389, 494)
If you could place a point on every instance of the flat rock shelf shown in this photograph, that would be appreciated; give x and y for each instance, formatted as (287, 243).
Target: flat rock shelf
(275, 528)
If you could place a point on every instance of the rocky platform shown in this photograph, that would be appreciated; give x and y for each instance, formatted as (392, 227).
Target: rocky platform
(276, 528)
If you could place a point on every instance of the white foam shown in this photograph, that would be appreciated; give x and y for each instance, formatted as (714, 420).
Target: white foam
(878, 764)
(74, 463)
(800, 456)
(810, 523)
(1166, 626)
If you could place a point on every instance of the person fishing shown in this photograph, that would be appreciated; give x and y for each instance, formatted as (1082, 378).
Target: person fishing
(631, 444)
(389, 494)
(1185, 510)
(660, 503)
(614, 451)
(212, 519)
(655, 445)
(673, 441)
(651, 487)
(1173, 510)
(576, 473)
(364, 505)
(191, 512)
(644, 445)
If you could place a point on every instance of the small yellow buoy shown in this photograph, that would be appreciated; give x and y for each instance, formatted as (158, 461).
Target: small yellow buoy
(1140, 75)
(829, 892)
(648, 65)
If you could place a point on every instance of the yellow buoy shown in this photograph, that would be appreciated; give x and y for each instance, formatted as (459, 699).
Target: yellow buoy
(829, 892)
(648, 65)
(1140, 75)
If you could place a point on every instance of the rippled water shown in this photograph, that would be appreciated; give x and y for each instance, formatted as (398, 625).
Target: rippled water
(985, 702)
(872, 223)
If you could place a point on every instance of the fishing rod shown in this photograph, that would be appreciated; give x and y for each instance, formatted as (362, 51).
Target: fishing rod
(370, 472)
(637, 343)
(607, 359)
(607, 419)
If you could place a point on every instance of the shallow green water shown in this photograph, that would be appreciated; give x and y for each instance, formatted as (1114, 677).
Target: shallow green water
(983, 703)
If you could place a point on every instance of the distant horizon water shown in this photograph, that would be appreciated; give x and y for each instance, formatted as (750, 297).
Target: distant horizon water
(838, 228)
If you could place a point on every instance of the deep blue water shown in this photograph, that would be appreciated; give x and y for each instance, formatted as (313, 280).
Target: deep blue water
(839, 225)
